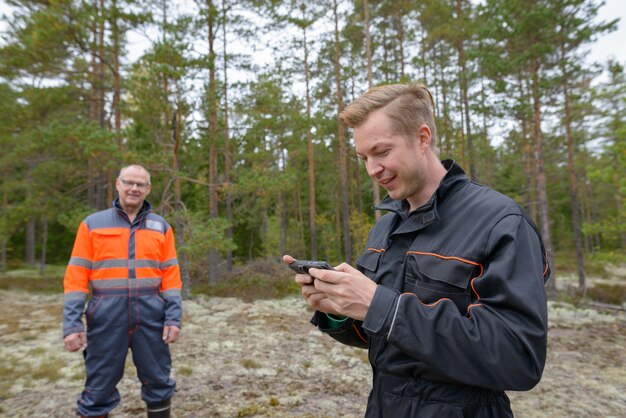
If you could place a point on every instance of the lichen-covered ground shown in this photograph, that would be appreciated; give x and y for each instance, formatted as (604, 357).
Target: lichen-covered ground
(238, 359)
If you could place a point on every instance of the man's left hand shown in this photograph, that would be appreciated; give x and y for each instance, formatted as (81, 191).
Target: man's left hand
(345, 291)
(170, 333)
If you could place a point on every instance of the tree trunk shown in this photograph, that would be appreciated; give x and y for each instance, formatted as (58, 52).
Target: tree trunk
(96, 181)
(101, 180)
(385, 56)
(117, 83)
(44, 245)
(399, 26)
(310, 147)
(30, 242)
(227, 149)
(4, 239)
(527, 152)
(212, 103)
(3, 255)
(368, 50)
(464, 93)
(445, 140)
(542, 190)
(93, 109)
(573, 189)
(283, 222)
(345, 200)
(179, 220)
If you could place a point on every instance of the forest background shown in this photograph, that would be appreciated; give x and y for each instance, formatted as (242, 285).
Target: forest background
(247, 157)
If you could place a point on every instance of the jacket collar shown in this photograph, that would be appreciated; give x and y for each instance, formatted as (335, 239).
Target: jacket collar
(455, 177)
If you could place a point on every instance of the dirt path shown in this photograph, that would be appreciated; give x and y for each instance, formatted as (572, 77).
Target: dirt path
(238, 359)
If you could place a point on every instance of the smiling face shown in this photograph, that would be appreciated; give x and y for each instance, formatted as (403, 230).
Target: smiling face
(398, 163)
(133, 186)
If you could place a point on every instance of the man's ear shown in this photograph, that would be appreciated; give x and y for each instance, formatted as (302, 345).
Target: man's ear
(423, 135)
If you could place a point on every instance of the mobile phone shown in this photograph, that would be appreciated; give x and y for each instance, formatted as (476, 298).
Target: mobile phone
(303, 266)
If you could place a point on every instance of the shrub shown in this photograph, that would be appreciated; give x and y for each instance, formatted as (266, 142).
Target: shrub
(259, 279)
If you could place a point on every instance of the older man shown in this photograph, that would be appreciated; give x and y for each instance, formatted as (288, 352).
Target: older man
(126, 255)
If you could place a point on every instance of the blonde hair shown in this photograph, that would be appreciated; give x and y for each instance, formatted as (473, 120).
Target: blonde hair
(408, 106)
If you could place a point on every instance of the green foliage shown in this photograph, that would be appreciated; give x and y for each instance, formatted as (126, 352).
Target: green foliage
(360, 225)
(72, 218)
(61, 147)
(252, 281)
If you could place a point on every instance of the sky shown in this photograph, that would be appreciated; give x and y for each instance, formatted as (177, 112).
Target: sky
(612, 44)
(609, 45)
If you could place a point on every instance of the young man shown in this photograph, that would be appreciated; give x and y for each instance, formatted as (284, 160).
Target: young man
(449, 294)
(126, 255)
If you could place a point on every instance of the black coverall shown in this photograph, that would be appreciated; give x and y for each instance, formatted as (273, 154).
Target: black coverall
(460, 313)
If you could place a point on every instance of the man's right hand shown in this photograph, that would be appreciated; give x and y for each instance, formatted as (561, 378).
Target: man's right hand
(307, 285)
(74, 342)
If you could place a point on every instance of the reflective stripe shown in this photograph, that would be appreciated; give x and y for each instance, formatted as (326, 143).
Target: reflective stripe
(124, 293)
(74, 296)
(168, 263)
(110, 263)
(171, 292)
(149, 282)
(80, 262)
(146, 263)
(108, 283)
(125, 283)
(165, 408)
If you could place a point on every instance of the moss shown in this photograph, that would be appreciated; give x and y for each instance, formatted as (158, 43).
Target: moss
(31, 280)
(184, 371)
(49, 369)
(38, 351)
(613, 294)
(250, 364)
(274, 402)
(7, 377)
(251, 410)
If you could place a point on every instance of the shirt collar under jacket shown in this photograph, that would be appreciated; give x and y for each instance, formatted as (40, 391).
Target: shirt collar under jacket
(145, 209)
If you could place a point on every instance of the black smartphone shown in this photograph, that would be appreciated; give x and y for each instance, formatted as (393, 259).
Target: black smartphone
(303, 266)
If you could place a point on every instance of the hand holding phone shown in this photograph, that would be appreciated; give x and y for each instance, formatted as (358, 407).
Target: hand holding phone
(303, 266)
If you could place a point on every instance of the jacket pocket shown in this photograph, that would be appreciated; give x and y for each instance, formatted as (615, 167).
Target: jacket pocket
(92, 308)
(367, 263)
(108, 244)
(432, 277)
(400, 406)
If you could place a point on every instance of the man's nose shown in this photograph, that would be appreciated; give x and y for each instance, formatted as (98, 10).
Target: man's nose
(373, 167)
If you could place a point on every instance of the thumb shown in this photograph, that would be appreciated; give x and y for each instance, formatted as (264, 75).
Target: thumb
(166, 332)
(347, 268)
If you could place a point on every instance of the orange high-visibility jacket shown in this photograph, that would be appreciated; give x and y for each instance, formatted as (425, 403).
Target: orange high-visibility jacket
(120, 259)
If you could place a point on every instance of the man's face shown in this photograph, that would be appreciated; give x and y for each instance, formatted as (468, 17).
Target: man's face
(392, 160)
(133, 188)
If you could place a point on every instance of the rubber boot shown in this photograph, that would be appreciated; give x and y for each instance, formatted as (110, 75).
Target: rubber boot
(159, 409)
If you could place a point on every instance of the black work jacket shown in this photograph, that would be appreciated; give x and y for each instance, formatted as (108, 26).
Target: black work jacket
(461, 296)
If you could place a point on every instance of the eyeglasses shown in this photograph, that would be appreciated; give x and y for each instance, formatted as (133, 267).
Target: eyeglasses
(130, 184)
